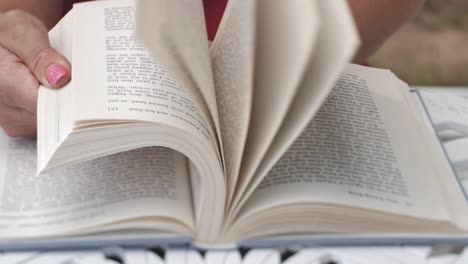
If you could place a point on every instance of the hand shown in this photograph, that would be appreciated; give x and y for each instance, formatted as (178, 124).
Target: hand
(26, 59)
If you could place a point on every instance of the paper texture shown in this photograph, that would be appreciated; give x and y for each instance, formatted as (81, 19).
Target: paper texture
(152, 182)
(284, 48)
(118, 78)
(175, 33)
(233, 68)
(336, 44)
(353, 153)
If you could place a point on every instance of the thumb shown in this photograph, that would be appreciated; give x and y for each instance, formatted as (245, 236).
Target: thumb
(30, 43)
(50, 67)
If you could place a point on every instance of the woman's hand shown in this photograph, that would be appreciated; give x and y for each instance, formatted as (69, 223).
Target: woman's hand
(26, 60)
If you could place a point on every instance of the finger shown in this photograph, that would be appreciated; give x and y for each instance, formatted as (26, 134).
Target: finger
(19, 87)
(21, 131)
(17, 122)
(15, 117)
(26, 37)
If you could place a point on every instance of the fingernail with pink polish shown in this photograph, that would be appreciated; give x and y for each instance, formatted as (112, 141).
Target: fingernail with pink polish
(56, 73)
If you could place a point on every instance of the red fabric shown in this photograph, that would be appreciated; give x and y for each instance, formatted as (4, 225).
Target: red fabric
(214, 10)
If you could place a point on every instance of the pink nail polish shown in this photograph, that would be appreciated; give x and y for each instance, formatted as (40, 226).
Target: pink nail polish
(56, 73)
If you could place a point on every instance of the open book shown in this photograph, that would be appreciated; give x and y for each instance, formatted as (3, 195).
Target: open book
(241, 141)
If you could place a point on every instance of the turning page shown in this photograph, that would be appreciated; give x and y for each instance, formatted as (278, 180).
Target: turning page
(284, 48)
(233, 57)
(175, 33)
(336, 42)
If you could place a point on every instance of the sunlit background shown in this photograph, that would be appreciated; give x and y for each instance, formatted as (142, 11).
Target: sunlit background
(433, 48)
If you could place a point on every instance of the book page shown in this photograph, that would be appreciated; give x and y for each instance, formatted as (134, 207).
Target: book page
(336, 44)
(116, 79)
(175, 33)
(145, 183)
(130, 102)
(363, 149)
(283, 50)
(233, 58)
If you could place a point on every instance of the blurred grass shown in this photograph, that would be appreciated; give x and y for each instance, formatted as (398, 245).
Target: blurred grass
(433, 48)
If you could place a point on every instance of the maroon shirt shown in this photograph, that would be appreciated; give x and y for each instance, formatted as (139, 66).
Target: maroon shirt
(214, 10)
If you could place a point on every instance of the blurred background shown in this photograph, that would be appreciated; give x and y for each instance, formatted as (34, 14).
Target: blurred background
(432, 49)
